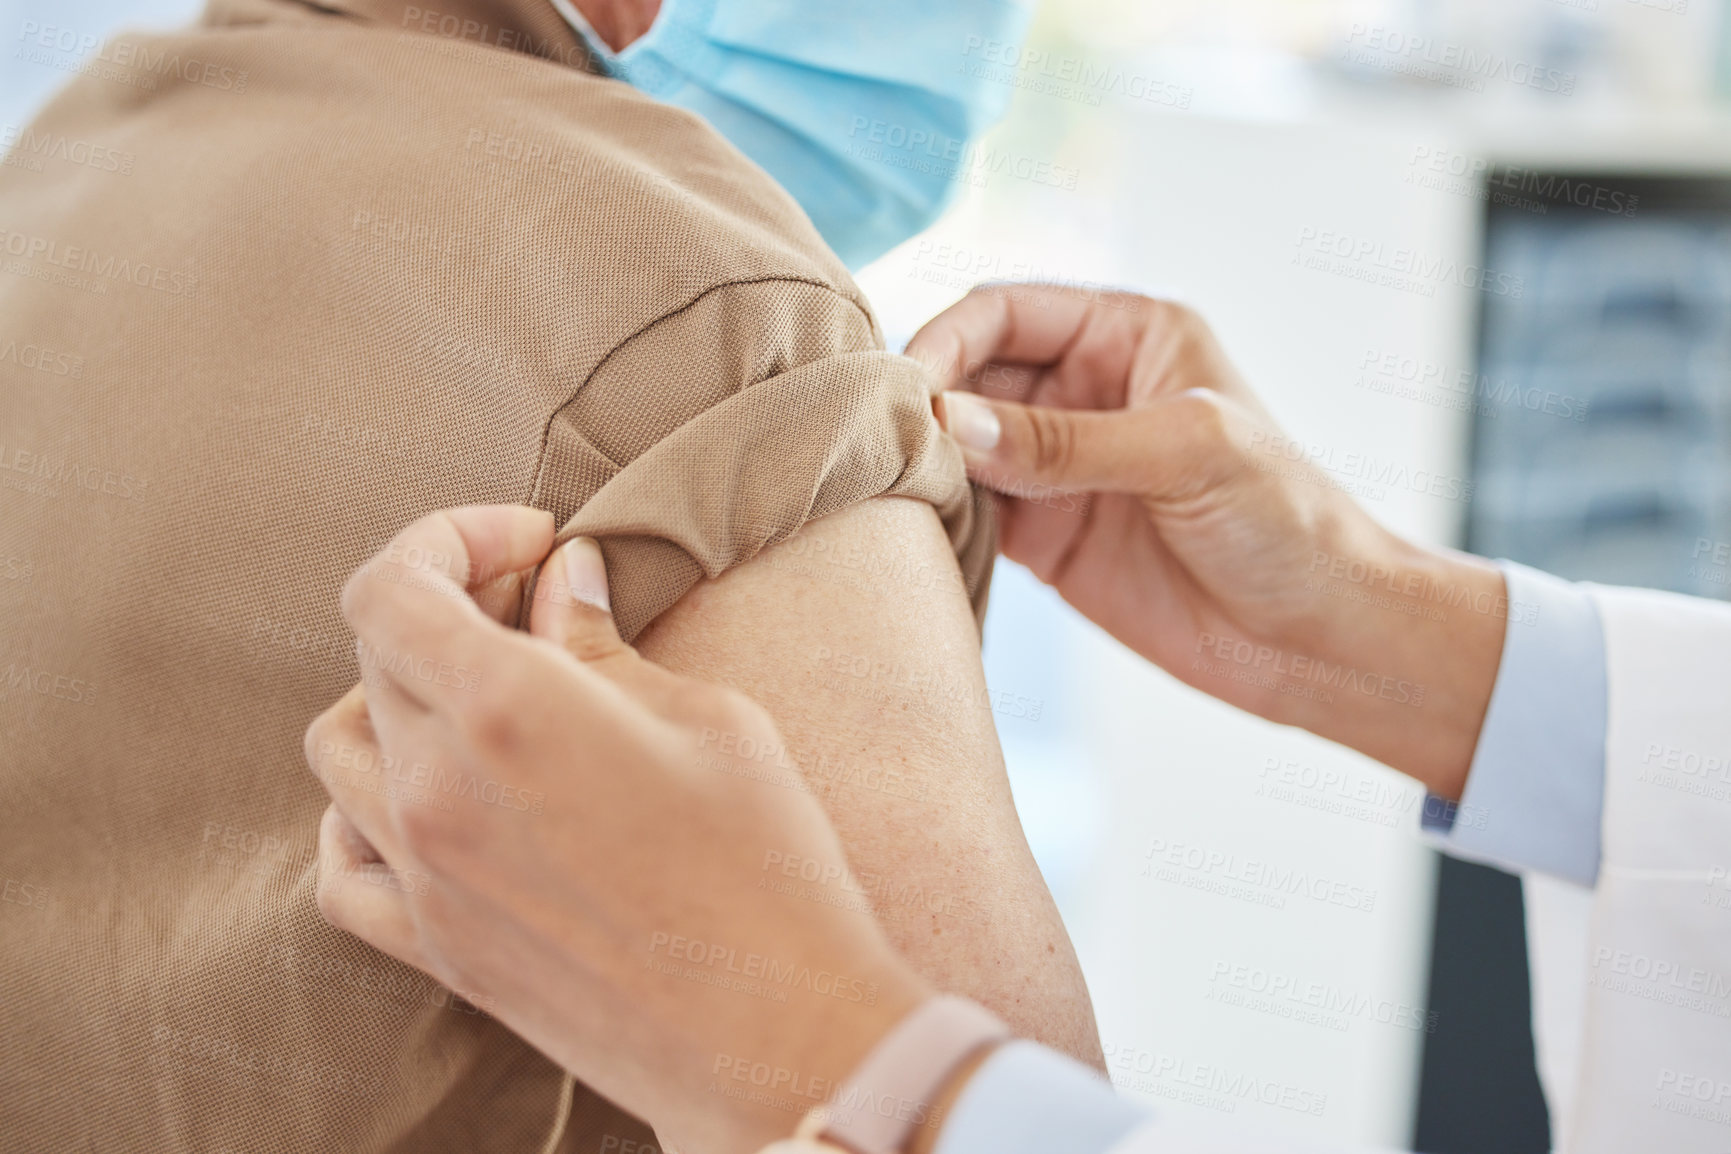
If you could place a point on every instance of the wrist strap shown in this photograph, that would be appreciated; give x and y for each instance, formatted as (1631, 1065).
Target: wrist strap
(894, 1088)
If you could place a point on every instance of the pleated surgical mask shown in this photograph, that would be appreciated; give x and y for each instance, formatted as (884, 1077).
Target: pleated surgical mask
(863, 110)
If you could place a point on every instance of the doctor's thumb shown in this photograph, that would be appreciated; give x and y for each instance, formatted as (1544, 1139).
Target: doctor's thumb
(572, 608)
(1009, 446)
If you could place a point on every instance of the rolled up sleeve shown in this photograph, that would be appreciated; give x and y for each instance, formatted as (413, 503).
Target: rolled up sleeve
(727, 425)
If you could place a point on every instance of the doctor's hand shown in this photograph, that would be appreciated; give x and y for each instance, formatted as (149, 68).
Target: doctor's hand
(1139, 475)
(585, 858)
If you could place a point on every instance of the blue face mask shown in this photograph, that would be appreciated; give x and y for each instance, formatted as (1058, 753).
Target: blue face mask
(862, 109)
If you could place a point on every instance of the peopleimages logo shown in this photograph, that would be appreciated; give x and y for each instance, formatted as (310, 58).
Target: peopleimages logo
(1067, 77)
(1666, 981)
(1357, 473)
(1414, 378)
(1213, 1087)
(1448, 62)
(130, 62)
(922, 150)
(1304, 1000)
(1479, 178)
(754, 967)
(1295, 674)
(29, 141)
(1259, 882)
(41, 358)
(1417, 586)
(46, 475)
(107, 266)
(1410, 269)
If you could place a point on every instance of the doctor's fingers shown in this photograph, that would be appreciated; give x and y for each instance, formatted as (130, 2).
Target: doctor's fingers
(1090, 337)
(535, 712)
(572, 610)
(1176, 447)
(361, 773)
(501, 598)
(396, 781)
(363, 895)
(410, 605)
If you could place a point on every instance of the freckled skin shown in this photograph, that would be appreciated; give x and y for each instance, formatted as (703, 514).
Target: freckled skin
(955, 838)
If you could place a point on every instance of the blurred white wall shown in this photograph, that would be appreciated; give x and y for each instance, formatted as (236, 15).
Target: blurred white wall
(24, 85)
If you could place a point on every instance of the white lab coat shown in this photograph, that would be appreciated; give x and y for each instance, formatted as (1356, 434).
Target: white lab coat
(1632, 981)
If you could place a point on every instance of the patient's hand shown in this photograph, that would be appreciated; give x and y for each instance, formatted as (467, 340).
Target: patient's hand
(857, 637)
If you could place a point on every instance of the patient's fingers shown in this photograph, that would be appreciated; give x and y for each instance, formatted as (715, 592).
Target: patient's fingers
(1009, 324)
(420, 632)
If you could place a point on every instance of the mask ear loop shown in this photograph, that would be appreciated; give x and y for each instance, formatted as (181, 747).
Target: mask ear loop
(598, 50)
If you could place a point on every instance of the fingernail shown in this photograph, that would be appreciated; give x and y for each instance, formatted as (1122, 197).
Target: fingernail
(971, 421)
(586, 572)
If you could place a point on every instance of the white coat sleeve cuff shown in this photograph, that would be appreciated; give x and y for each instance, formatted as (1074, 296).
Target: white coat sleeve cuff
(1535, 794)
(1027, 1099)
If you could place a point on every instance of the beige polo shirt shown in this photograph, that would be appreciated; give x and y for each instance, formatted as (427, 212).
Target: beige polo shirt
(350, 263)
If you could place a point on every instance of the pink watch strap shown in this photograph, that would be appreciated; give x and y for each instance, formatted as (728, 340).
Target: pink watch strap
(894, 1088)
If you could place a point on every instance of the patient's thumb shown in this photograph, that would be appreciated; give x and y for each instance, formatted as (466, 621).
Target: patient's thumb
(571, 607)
(1010, 447)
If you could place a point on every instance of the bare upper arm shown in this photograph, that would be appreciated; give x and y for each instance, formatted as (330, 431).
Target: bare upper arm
(857, 636)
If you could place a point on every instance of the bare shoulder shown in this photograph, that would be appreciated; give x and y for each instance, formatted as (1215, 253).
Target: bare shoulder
(858, 636)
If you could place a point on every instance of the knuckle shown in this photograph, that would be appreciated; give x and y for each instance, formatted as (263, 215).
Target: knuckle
(358, 593)
(1051, 440)
(931, 361)
(493, 722)
(328, 897)
(1101, 354)
(424, 831)
(1179, 318)
(1205, 415)
(701, 703)
(991, 299)
(739, 710)
(596, 638)
(1194, 446)
(1128, 302)
(493, 729)
(316, 738)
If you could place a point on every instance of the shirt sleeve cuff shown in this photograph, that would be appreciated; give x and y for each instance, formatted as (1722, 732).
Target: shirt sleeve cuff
(1535, 792)
(1027, 1099)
